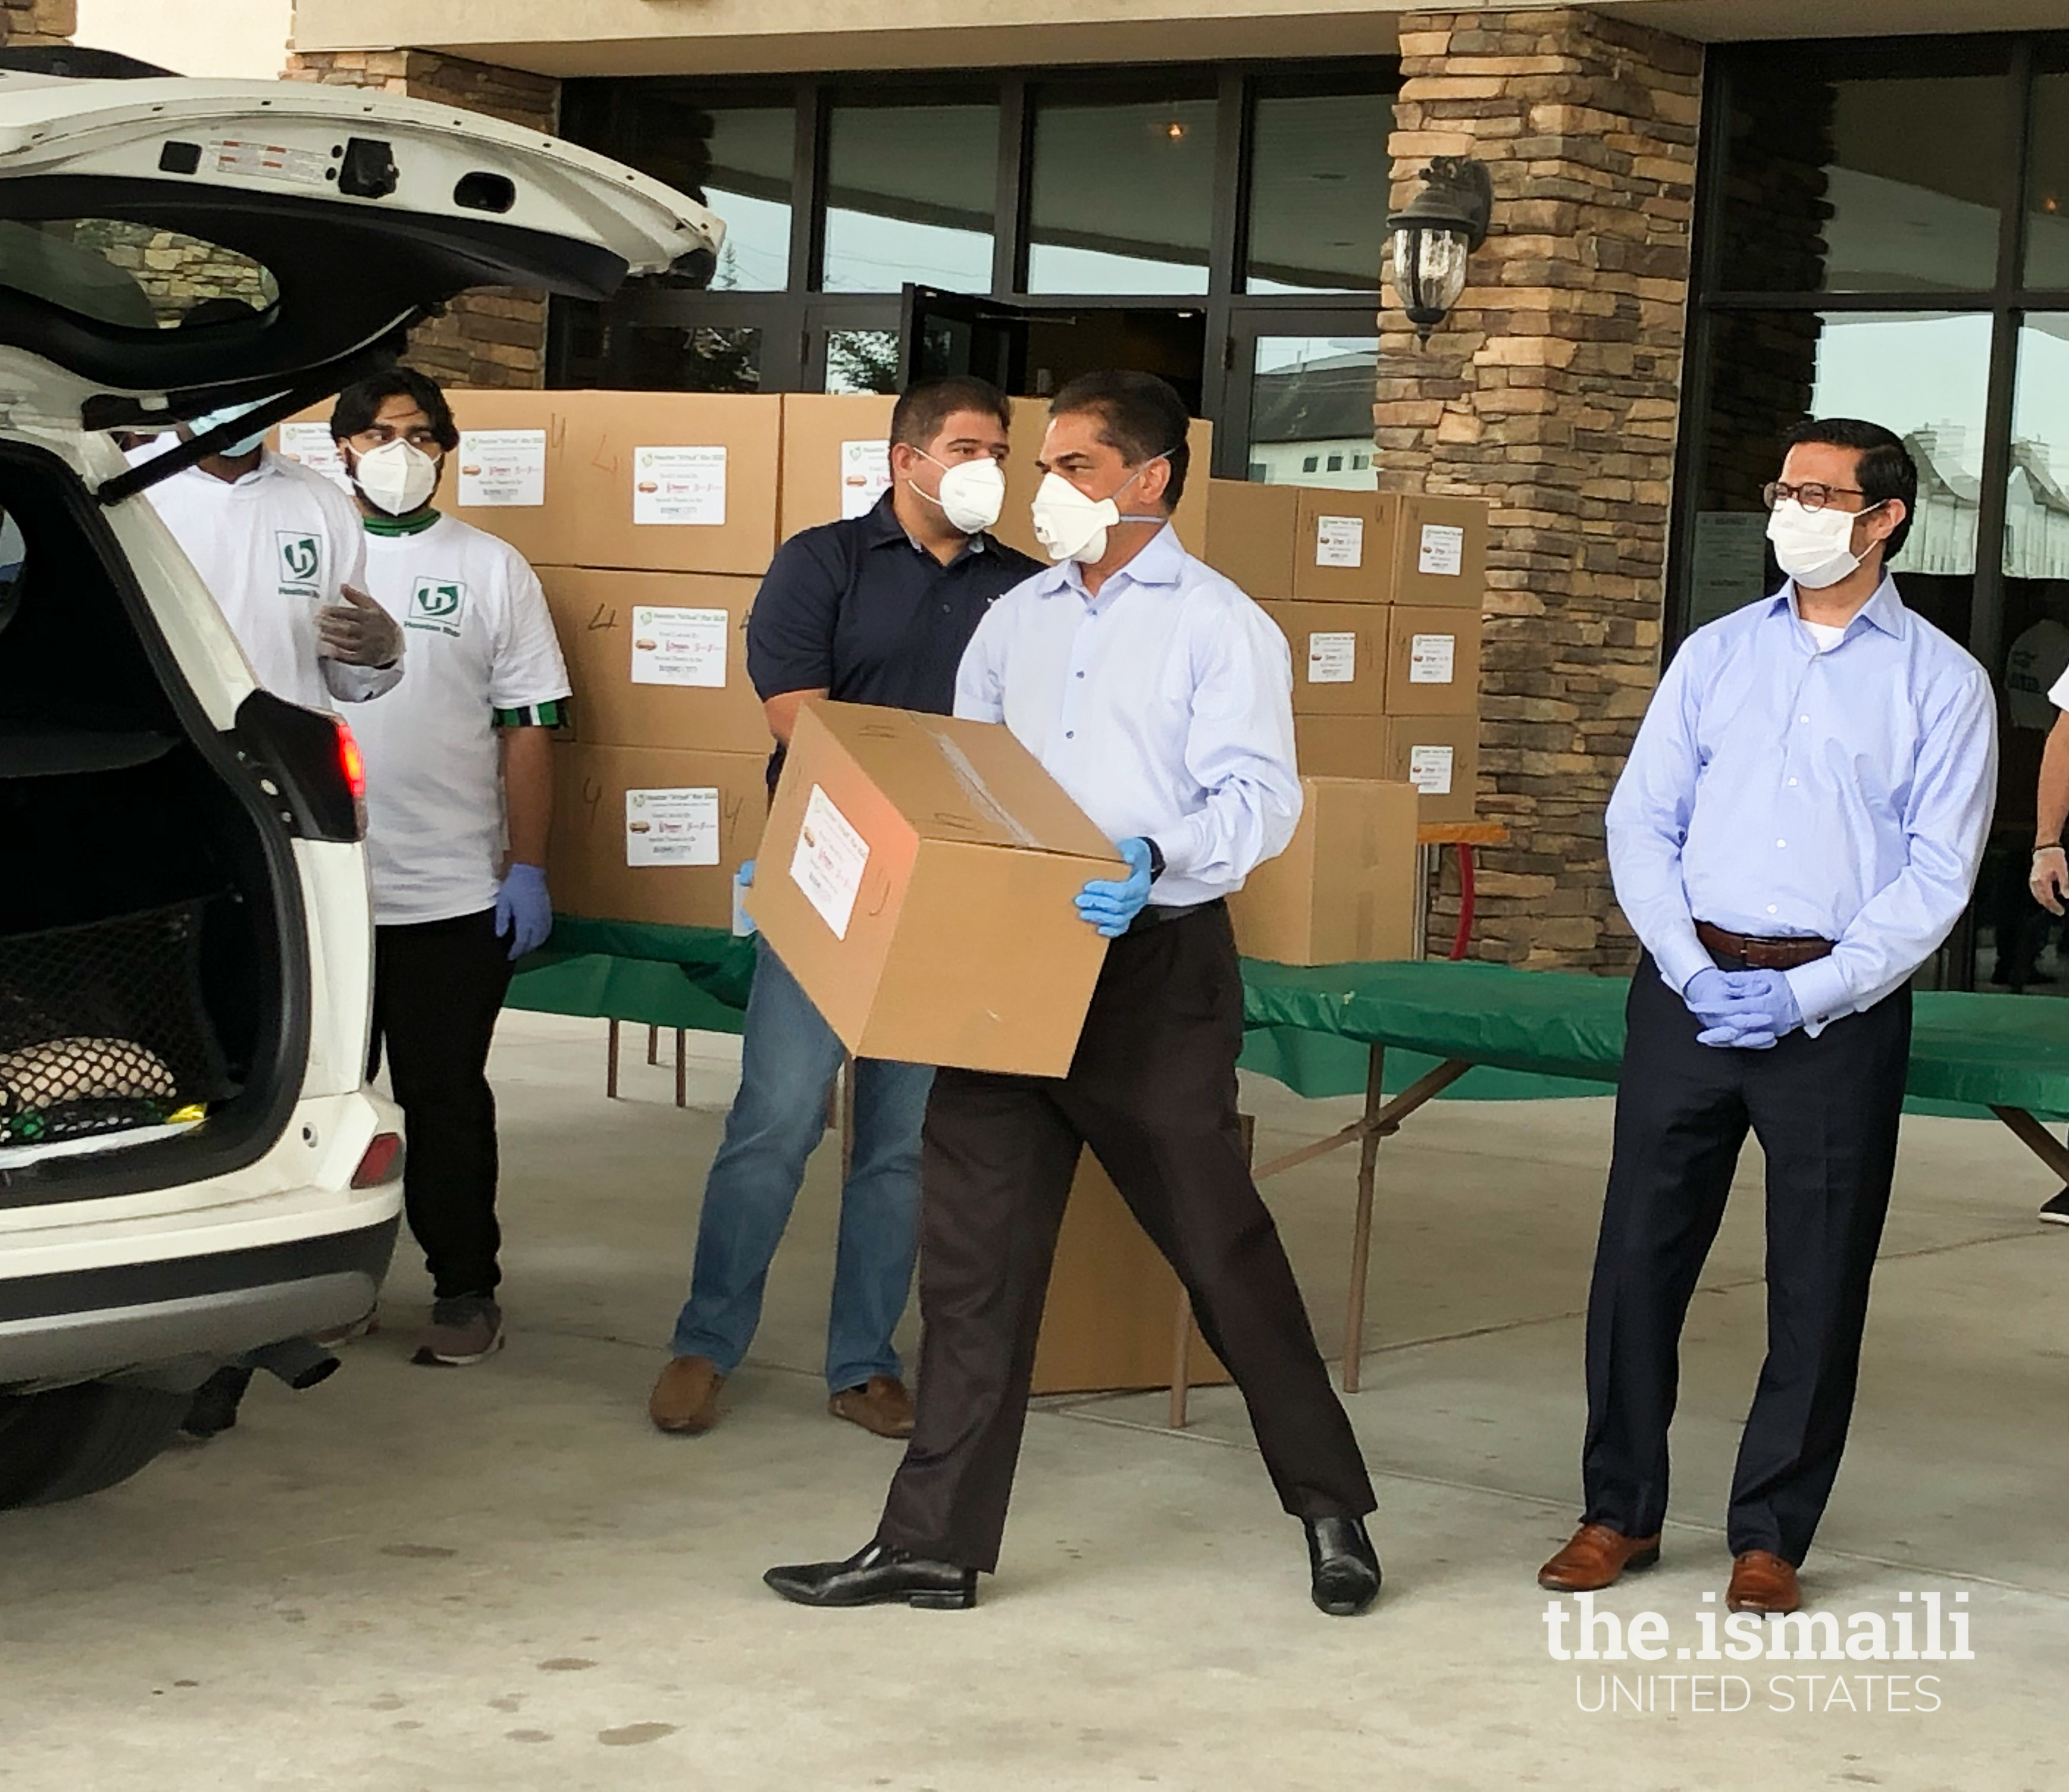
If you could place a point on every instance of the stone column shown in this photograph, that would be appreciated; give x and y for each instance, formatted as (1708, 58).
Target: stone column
(1552, 390)
(494, 336)
(37, 20)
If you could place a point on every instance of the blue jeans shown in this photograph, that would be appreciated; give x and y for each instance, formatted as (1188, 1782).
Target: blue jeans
(788, 1059)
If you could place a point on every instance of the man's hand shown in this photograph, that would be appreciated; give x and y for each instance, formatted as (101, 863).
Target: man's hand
(1759, 1009)
(523, 910)
(1110, 906)
(1710, 998)
(2048, 879)
(359, 632)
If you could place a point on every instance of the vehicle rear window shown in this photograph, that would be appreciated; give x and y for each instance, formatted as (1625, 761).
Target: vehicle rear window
(115, 272)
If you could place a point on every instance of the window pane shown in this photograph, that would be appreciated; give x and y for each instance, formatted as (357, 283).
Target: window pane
(736, 159)
(1123, 195)
(1839, 183)
(862, 360)
(909, 197)
(2047, 194)
(1924, 375)
(1319, 191)
(1311, 411)
(666, 357)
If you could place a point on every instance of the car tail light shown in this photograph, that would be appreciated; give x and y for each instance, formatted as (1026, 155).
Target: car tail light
(381, 1162)
(351, 762)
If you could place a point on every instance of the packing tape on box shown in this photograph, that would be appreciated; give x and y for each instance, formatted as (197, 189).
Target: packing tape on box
(975, 788)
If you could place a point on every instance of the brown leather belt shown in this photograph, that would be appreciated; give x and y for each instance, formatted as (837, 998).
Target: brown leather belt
(1759, 954)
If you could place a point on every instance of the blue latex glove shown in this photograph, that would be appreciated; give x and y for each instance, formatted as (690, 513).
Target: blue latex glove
(1111, 906)
(1762, 1010)
(1709, 997)
(523, 910)
(743, 881)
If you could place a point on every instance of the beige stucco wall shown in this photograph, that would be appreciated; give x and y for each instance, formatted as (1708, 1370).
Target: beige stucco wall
(657, 37)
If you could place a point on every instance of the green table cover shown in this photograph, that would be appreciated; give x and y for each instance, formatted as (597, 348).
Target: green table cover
(1532, 1034)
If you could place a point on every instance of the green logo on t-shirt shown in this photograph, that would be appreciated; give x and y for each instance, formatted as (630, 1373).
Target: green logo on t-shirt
(435, 604)
(301, 559)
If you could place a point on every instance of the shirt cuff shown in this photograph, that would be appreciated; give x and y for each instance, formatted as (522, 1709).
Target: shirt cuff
(1821, 992)
(1680, 958)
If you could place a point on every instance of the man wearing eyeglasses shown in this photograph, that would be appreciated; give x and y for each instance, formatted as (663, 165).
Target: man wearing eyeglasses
(1799, 828)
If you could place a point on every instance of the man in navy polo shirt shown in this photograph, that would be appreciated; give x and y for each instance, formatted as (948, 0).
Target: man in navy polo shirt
(877, 609)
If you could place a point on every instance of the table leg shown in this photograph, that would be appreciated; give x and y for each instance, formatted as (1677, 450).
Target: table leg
(611, 1065)
(2037, 1139)
(653, 1045)
(1462, 940)
(682, 1067)
(1181, 1359)
(1361, 1227)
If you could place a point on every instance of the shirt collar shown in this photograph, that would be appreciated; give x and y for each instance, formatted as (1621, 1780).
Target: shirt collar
(1884, 610)
(1161, 562)
(880, 527)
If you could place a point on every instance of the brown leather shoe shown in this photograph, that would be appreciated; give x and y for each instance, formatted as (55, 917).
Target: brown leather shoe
(1594, 1558)
(1763, 1583)
(685, 1398)
(881, 1406)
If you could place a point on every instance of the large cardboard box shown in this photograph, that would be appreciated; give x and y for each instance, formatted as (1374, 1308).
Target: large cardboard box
(918, 879)
(1388, 547)
(650, 833)
(1111, 1317)
(667, 481)
(658, 660)
(836, 457)
(1340, 654)
(1250, 532)
(1439, 755)
(1432, 660)
(1030, 424)
(1344, 890)
(1341, 746)
(504, 478)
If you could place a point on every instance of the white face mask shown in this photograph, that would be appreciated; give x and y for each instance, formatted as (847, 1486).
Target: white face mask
(397, 477)
(1814, 547)
(1072, 526)
(973, 493)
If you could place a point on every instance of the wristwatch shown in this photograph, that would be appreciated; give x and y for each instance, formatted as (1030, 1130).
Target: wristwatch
(1156, 859)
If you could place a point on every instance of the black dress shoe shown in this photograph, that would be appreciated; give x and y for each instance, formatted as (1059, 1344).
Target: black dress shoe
(877, 1576)
(1344, 1565)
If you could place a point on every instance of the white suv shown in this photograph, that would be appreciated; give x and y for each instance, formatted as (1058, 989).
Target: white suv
(190, 1167)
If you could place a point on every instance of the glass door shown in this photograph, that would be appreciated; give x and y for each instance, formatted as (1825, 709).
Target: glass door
(1298, 409)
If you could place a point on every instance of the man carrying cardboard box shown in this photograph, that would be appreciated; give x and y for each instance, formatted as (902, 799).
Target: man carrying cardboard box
(1159, 697)
(459, 802)
(875, 609)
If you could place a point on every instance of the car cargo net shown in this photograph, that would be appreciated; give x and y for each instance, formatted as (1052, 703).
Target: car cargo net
(103, 1027)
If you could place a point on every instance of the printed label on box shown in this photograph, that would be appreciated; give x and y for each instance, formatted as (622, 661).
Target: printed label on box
(680, 646)
(502, 467)
(1331, 659)
(1443, 550)
(678, 486)
(671, 828)
(1339, 542)
(1430, 770)
(865, 476)
(829, 862)
(1432, 659)
(312, 445)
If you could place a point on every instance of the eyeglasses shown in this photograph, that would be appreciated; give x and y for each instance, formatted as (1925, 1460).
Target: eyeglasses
(1811, 495)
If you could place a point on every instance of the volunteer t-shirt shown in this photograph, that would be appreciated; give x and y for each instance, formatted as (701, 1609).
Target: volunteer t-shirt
(274, 549)
(480, 643)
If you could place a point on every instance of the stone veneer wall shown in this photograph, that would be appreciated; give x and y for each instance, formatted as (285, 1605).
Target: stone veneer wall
(495, 335)
(1552, 390)
(37, 20)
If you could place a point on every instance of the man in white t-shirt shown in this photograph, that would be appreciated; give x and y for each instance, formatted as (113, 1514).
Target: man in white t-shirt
(2049, 879)
(281, 550)
(460, 797)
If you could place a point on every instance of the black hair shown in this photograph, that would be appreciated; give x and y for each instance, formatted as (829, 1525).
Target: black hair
(926, 405)
(1140, 414)
(1885, 470)
(358, 405)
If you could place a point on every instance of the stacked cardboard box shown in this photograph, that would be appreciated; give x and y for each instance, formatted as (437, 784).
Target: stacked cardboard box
(1379, 594)
(1344, 891)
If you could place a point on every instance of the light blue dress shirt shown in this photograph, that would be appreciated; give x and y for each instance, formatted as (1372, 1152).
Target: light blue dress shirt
(1164, 706)
(1775, 790)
